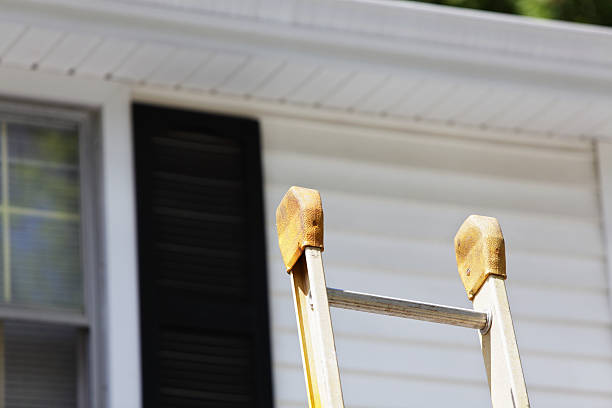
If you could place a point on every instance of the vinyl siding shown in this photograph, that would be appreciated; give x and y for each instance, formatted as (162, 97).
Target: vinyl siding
(393, 202)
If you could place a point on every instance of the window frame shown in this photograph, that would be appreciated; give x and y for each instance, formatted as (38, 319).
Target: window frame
(89, 322)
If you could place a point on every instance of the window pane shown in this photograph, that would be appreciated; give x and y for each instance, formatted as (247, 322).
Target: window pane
(45, 262)
(40, 365)
(43, 170)
(41, 261)
(47, 145)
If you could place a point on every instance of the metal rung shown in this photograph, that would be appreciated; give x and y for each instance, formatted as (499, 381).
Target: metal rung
(410, 309)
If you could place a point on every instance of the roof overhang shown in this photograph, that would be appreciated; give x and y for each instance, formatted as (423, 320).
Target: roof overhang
(384, 61)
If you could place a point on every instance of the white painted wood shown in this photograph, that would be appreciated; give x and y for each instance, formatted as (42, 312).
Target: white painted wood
(420, 149)
(369, 122)
(280, 10)
(123, 315)
(451, 107)
(31, 47)
(388, 94)
(493, 104)
(215, 71)
(251, 76)
(120, 303)
(9, 33)
(556, 340)
(69, 52)
(432, 259)
(106, 57)
(548, 199)
(604, 167)
(499, 349)
(142, 62)
(423, 98)
(290, 77)
(527, 108)
(442, 290)
(443, 364)
(586, 121)
(399, 392)
(401, 246)
(604, 130)
(372, 38)
(175, 69)
(322, 84)
(359, 87)
(564, 106)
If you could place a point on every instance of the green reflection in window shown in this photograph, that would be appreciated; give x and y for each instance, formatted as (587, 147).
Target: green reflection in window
(40, 240)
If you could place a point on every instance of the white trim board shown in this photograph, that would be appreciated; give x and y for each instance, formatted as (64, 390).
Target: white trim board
(120, 294)
(381, 60)
(604, 163)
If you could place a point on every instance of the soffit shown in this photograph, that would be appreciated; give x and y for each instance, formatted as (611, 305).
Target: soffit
(396, 60)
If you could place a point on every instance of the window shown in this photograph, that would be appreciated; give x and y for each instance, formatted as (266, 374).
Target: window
(47, 293)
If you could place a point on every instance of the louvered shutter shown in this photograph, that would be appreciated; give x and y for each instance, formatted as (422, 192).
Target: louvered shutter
(203, 292)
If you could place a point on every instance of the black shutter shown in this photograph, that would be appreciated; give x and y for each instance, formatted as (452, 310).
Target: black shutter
(203, 291)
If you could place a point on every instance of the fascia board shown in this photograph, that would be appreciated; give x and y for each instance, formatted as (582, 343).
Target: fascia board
(464, 39)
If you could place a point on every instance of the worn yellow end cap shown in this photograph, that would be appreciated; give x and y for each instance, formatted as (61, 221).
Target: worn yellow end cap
(299, 223)
(480, 251)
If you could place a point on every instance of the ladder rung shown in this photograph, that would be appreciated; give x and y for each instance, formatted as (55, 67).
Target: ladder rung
(410, 309)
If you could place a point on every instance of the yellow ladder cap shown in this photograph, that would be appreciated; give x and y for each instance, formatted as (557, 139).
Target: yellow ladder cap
(299, 223)
(480, 251)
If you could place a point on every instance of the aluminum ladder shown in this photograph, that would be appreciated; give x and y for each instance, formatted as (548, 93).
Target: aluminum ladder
(480, 252)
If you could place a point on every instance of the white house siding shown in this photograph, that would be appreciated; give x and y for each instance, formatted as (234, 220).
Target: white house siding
(393, 202)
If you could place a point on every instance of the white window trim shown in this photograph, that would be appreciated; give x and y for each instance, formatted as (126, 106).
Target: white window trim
(119, 291)
(604, 168)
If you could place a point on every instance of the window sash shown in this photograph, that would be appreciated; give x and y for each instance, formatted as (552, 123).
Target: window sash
(88, 320)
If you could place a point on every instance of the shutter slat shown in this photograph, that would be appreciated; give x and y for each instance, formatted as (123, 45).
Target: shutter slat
(203, 300)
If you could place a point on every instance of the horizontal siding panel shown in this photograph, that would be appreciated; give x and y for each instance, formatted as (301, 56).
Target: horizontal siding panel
(480, 191)
(539, 303)
(536, 337)
(519, 162)
(393, 203)
(437, 260)
(360, 392)
(451, 364)
(359, 214)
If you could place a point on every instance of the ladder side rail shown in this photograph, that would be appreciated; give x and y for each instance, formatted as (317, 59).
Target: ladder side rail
(499, 347)
(481, 262)
(299, 220)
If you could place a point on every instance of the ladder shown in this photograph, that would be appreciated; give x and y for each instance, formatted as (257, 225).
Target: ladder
(480, 253)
